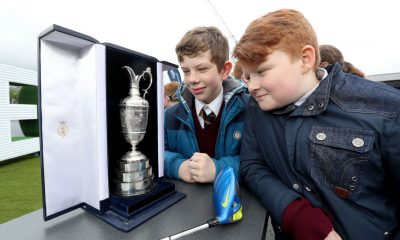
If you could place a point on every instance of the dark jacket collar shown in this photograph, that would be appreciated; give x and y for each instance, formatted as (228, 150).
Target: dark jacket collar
(318, 101)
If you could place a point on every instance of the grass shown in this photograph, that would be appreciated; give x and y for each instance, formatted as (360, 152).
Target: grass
(19, 138)
(20, 187)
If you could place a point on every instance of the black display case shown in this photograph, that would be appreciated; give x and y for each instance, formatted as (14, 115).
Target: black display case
(81, 84)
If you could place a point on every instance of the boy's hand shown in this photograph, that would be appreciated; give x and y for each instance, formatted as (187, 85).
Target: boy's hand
(202, 168)
(184, 172)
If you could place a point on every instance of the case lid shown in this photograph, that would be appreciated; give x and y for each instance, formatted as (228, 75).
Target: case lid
(75, 38)
(168, 72)
(72, 120)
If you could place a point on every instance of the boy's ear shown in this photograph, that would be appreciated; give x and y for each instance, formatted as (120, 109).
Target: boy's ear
(308, 58)
(226, 69)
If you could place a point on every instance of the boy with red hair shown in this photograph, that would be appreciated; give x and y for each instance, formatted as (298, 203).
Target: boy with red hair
(319, 147)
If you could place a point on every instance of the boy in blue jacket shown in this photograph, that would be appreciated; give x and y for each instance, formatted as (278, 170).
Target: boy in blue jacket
(203, 132)
(320, 148)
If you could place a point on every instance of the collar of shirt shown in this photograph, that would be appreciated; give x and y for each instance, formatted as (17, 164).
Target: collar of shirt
(301, 100)
(214, 106)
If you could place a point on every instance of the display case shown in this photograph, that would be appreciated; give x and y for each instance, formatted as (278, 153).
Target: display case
(84, 140)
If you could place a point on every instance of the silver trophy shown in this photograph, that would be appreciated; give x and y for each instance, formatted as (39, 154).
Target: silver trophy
(134, 175)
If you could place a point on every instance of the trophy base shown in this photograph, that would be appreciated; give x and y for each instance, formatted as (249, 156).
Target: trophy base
(129, 189)
(127, 213)
(133, 166)
(134, 175)
(133, 178)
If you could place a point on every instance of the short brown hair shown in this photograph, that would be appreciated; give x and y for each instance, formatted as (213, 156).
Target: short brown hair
(331, 54)
(202, 39)
(170, 90)
(287, 30)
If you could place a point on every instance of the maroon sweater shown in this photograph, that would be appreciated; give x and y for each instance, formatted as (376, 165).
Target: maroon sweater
(206, 139)
(302, 221)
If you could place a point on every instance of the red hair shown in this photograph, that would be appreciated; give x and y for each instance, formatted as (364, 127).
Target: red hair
(287, 30)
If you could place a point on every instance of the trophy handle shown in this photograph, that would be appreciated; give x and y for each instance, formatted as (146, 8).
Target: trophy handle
(148, 71)
(136, 79)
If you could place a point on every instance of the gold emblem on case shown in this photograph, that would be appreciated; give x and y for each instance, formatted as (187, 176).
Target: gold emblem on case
(62, 129)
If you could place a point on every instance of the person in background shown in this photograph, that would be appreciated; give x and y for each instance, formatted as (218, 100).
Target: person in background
(170, 97)
(203, 132)
(331, 54)
(353, 70)
(320, 148)
(237, 71)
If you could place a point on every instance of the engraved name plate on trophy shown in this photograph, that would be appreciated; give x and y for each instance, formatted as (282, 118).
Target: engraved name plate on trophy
(133, 174)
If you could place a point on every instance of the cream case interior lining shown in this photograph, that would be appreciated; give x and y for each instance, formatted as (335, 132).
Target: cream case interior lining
(73, 122)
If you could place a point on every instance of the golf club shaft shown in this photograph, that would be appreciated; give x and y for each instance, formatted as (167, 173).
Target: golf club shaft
(187, 232)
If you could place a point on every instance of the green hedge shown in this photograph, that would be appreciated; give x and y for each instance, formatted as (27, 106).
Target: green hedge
(29, 95)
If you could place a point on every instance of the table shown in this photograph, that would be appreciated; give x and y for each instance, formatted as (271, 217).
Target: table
(191, 211)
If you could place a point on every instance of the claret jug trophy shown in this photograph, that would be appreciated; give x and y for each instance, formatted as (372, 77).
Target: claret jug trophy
(134, 175)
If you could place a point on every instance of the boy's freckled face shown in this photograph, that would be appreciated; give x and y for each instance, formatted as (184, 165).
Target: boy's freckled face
(276, 82)
(202, 77)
